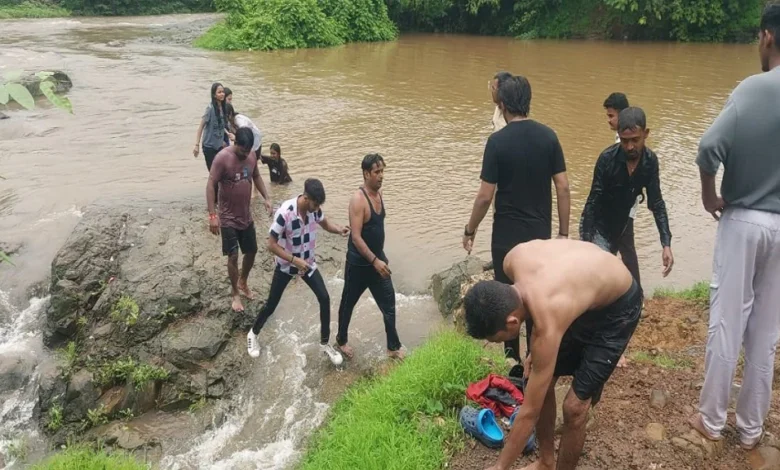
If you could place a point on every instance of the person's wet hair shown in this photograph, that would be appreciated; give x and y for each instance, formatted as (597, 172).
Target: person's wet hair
(314, 190)
(371, 159)
(244, 137)
(501, 77)
(276, 148)
(618, 101)
(632, 118)
(487, 305)
(230, 112)
(770, 21)
(216, 104)
(228, 92)
(515, 93)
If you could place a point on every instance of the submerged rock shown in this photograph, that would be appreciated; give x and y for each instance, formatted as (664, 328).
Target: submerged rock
(61, 81)
(16, 368)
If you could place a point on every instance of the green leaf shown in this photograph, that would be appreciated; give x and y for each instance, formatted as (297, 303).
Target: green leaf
(4, 258)
(62, 102)
(21, 95)
(44, 75)
(12, 75)
(3, 95)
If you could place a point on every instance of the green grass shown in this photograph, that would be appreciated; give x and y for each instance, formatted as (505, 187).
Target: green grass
(699, 293)
(127, 370)
(82, 458)
(664, 361)
(407, 418)
(32, 10)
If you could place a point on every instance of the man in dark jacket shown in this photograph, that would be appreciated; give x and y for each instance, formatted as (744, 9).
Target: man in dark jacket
(623, 171)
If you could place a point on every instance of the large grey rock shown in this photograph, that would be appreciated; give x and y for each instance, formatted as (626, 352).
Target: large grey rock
(81, 396)
(446, 285)
(168, 269)
(16, 368)
(193, 341)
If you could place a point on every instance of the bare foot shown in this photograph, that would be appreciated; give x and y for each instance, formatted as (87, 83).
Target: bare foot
(538, 465)
(237, 305)
(697, 424)
(346, 350)
(244, 289)
(399, 355)
(623, 362)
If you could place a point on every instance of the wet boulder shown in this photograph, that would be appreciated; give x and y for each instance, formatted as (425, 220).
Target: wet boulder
(16, 368)
(446, 285)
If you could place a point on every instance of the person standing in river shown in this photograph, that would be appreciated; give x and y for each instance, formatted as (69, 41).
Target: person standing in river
(233, 171)
(621, 175)
(613, 105)
(277, 166)
(292, 239)
(517, 166)
(745, 285)
(213, 127)
(367, 264)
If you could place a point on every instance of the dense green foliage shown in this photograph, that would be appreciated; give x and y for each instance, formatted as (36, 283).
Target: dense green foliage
(83, 458)
(687, 20)
(10, 9)
(284, 24)
(406, 419)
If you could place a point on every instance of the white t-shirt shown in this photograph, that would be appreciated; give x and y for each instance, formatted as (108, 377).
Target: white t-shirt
(243, 121)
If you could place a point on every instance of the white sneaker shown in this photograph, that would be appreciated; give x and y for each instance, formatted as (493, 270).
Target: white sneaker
(334, 356)
(252, 346)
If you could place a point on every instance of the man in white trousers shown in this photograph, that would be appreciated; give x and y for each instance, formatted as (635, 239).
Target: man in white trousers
(745, 287)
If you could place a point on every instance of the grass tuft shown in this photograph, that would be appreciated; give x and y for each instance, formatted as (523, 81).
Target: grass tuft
(664, 361)
(408, 418)
(698, 293)
(83, 458)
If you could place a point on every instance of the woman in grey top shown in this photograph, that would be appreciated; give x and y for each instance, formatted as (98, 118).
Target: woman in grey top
(213, 128)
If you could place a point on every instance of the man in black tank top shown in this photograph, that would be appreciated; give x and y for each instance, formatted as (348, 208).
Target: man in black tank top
(366, 266)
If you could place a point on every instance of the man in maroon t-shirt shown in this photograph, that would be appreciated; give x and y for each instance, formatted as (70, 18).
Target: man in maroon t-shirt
(233, 171)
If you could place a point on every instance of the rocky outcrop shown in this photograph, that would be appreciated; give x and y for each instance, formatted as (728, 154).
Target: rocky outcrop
(140, 313)
(447, 285)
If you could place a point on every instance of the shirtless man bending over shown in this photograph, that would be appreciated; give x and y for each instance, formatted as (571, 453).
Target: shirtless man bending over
(585, 306)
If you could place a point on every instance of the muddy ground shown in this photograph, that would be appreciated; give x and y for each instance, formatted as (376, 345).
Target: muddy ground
(667, 353)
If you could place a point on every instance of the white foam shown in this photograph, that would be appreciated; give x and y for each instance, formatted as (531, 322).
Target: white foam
(23, 324)
(72, 212)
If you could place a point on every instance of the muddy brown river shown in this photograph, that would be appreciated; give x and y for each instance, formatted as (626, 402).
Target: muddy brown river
(422, 102)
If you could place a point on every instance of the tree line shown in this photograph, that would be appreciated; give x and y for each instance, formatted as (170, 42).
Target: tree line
(271, 24)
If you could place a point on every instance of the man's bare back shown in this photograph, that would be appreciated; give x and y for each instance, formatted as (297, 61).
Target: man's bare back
(573, 275)
(585, 306)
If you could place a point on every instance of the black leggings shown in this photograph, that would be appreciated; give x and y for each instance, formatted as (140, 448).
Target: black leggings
(356, 280)
(279, 284)
(511, 347)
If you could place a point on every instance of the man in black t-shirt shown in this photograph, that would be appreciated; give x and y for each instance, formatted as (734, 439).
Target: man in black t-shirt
(518, 164)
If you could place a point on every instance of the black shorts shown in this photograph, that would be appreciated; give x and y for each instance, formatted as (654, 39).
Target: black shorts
(592, 346)
(210, 153)
(232, 239)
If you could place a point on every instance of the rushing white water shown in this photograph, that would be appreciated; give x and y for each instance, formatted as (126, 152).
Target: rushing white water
(21, 338)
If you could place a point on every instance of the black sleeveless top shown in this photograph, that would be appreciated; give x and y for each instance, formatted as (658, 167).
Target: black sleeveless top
(373, 234)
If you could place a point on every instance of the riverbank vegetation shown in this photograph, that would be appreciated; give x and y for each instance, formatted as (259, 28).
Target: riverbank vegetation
(411, 410)
(694, 20)
(84, 458)
(286, 24)
(59, 8)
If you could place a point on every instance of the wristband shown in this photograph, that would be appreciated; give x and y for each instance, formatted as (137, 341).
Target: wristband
(373, 260)
(212, 216)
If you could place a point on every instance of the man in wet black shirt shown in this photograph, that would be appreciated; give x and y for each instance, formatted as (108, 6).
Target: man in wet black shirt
(623, 172)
